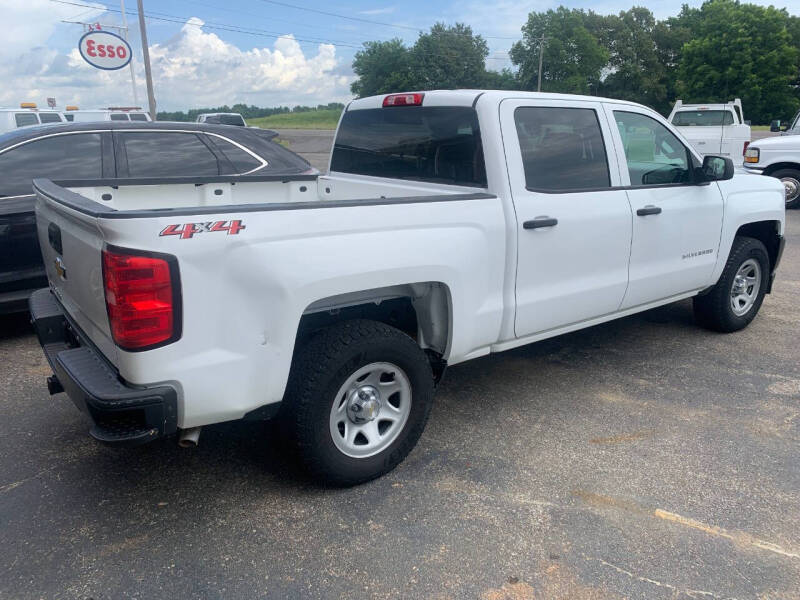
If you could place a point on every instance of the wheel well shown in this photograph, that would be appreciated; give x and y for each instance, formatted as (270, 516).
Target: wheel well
(422, 310)
(778, 166)
(767, 233)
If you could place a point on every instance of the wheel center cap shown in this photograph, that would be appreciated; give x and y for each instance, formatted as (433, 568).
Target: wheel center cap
(364, 404)
(739, 285)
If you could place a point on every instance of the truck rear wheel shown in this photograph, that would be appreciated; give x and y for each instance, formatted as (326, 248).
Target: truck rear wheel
(358, 399)
(791, 183)
(736, 298)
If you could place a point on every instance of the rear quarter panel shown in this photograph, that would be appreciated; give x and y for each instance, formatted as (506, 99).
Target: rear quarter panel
(243, 295)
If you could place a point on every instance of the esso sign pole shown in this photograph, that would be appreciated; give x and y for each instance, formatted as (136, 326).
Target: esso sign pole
(104, 50)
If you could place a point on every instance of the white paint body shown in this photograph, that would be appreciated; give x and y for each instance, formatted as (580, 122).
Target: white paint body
(243, 296)
(722, 140)
(29, 117)
(780, 151)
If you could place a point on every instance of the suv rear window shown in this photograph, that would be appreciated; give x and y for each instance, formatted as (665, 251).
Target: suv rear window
(138, 117)
(25, 119)
(119, 117)
(438, 144)
(702, 118)
(50, 117)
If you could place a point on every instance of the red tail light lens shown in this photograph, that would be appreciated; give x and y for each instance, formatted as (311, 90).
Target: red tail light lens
(141, 298)
(403, 100)
(744, 150)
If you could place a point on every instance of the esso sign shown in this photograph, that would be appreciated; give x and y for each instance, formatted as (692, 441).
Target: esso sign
(104, 50)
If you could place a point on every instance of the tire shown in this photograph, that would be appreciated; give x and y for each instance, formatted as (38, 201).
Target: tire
(718, 309)
(330, 395)
(791, 181)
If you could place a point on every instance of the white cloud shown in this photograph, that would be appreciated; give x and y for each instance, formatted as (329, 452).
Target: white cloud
(194, 68)
(377, 11)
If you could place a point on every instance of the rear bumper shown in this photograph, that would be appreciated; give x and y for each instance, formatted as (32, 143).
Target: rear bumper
(121, 414)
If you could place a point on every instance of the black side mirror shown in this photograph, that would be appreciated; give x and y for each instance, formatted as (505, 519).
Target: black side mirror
(775, 126)
(717, 168)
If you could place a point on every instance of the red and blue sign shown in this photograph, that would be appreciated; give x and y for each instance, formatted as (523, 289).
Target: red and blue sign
(104, 50)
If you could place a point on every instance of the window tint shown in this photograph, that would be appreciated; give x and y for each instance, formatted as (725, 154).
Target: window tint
(702, 118)
(225, 120)
(63, 157)
(242, 161)
(168, 154)
(25, 119)
(138, 117)
(562, 148)
(421, 143)
(654, 155)
(119, 117)
(50, 117)
(69, 117)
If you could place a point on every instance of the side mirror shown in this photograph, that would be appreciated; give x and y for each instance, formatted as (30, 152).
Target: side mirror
(717, 168)
(775, 126)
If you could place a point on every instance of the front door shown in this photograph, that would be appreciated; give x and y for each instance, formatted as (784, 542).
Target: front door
(676, 222)
(573, 227)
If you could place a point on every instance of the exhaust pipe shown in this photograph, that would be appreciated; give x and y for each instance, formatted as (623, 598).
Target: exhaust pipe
(189, 437)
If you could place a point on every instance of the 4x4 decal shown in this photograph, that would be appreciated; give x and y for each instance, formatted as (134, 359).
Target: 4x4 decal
(187, 230)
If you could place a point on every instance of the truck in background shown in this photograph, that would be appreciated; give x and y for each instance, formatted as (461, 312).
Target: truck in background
(713, 128)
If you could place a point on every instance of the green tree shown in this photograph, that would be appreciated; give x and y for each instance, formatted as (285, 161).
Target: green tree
(382, 67)
(740, 50)
(573, 58)
(635, 70)
(449, 58)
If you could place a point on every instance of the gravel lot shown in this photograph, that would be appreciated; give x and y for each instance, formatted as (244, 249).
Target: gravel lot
(644, 458)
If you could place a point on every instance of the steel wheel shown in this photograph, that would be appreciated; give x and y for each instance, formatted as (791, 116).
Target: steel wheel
(370, 409)
(792, 187)
(745, 288)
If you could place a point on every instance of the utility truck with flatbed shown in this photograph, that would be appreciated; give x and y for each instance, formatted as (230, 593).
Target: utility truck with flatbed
(451, 224)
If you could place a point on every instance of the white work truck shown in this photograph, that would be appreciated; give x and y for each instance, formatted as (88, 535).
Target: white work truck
(778, 157)
(718, 129)
(452, 224)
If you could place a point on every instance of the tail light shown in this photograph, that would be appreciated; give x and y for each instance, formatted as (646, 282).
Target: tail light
(142, 298)
(744, 150)
(403, 100)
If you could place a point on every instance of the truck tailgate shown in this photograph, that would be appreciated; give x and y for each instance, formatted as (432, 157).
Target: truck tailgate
(71, 244)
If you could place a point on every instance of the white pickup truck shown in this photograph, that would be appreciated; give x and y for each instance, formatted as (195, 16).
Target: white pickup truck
(779, 157)
(452, 224)
(718, 129)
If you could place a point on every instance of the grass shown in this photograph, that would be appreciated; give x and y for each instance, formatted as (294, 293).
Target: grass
(759, 127)
(315, 119)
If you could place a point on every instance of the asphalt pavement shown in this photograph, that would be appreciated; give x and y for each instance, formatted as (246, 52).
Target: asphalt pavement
(643, 458)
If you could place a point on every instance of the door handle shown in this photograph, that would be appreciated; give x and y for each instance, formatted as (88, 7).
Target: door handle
(540, 222)
(649, 210)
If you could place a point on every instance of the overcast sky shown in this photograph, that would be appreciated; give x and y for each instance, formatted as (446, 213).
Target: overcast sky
(263, 52)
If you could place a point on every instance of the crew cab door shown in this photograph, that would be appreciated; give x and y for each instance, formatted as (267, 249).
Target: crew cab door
(573, 226)
(676, 221)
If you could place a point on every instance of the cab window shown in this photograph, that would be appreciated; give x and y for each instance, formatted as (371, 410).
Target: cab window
(168, 154)
(119, 117)
(63, 157)
(562, 148)
(655, 156)
(138, 117)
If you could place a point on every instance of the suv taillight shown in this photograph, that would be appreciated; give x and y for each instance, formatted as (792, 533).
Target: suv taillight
(142, 298)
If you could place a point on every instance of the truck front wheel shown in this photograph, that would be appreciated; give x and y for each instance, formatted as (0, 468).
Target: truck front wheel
(734, 301)
(358, 398)
(791, 183)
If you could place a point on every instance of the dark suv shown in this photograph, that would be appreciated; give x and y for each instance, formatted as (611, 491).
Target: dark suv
(111, 153)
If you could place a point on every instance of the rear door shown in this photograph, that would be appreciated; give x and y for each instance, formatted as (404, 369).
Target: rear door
(676, 222)
(573, 222)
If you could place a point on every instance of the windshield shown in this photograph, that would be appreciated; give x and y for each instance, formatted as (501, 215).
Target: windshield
(702, 118)
(439, 144)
